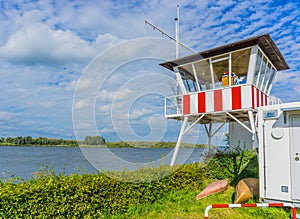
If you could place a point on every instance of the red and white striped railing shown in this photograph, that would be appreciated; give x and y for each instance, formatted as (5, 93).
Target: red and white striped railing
(241, 97)
(224, 99)
(251, 205)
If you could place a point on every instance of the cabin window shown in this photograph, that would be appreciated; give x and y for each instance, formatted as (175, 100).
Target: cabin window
(264, 73)
(203, 74)
(270, 82)
(212, 73)
(188, 78)
(266, 77)
(257, 67)
(220, 66)
(240, 63)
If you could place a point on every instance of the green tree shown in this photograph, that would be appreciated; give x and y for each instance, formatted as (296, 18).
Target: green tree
(10, 140)
(42, 141)
(18, 140)
(94, 140)
(28, 140)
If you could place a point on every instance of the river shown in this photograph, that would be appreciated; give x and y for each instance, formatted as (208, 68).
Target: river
(26, 161)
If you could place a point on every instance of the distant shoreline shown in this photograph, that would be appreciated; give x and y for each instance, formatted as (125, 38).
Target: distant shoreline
(89, 141)
(114, 145)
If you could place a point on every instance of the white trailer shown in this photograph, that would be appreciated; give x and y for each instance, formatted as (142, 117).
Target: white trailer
(278, 128)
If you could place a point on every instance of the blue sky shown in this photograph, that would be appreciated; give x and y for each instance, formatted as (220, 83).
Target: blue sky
(46, 46)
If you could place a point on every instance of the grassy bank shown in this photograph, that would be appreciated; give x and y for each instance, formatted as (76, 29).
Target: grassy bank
(162, 192)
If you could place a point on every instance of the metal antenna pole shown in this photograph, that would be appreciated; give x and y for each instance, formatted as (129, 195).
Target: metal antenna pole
(177, 32)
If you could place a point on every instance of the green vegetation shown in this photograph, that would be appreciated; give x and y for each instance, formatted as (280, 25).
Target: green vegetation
(234, 163)
(41, 141)
(163, 192)
(172, 145)
(162, 144)
(119, 144)
(44, 141)
(93, 140)
(98, 141)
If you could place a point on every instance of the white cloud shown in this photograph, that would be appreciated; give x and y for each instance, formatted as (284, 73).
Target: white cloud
(85, 83)
(123, 94)
(82, 104)
(48, 104)
(71, 85)
(104, 109)
(38, 44)
(142, 112)
(107, 130)
(34, 41)
(7, 116)
(106, 41)
(85, 126)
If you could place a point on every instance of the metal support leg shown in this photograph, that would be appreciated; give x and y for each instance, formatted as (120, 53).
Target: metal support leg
(209, 134)
(176, 150)
(252, 125)
(254, 133)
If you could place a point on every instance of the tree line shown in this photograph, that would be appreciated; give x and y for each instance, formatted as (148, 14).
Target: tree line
(88, 141)
(44, 141)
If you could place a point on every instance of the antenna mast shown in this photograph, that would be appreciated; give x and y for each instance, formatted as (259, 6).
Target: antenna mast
(177, 32)
(176, 39)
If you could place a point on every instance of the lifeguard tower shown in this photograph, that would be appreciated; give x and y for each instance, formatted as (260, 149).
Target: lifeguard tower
(224, 85)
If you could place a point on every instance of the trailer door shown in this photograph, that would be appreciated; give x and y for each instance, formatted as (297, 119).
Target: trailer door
(295, 155)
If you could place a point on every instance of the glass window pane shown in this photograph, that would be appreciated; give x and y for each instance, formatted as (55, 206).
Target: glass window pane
(267, 76)
(188, 78)
(257, 67)
(220, 70)
(240, 63)
(203, 74)
(262, 72)
(272, 77)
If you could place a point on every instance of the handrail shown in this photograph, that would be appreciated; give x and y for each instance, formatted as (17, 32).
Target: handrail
(251, 205)
(173, 106)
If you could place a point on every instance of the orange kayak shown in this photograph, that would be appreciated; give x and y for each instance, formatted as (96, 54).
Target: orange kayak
(212, 188)
(246, 189)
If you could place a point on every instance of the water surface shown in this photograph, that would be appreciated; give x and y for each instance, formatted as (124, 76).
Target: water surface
(25, 161)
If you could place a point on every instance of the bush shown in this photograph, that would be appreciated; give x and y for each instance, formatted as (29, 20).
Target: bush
(93, 195)
(233, 163)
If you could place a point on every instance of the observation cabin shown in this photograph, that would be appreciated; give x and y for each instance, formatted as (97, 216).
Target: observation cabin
(224, 85)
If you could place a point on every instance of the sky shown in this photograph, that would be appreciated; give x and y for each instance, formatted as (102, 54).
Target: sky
(72, 68)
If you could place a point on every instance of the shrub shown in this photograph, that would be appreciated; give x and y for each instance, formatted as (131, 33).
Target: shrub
(93, 195)
(233, 163)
